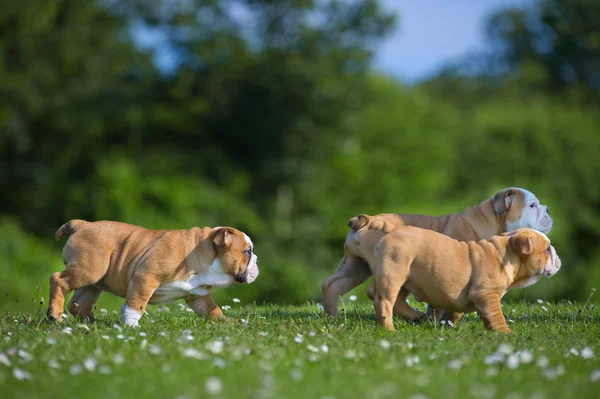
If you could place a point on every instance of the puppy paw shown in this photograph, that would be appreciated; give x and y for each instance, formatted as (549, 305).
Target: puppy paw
(53, 317)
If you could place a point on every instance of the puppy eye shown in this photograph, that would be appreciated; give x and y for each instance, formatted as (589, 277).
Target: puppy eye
(548, 249)
(533, 205)
(248, 251)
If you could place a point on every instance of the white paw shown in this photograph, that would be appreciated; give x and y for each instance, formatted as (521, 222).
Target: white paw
(130, 317)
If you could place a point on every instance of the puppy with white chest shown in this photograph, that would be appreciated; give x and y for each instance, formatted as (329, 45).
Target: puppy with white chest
(459, 276)
(148, 266)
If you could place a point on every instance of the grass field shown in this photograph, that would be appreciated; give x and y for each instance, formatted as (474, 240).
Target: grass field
(296, 352)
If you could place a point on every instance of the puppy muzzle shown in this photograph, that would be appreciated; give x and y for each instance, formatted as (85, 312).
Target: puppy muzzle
(553, 265)
(545, 223)
(251, 272)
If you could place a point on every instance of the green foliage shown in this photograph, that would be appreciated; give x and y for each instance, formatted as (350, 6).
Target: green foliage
(269, 119)
(297, 352)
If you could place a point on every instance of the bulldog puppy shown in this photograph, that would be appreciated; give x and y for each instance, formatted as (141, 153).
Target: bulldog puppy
(148, 266)
(508, 210)
(459, 276)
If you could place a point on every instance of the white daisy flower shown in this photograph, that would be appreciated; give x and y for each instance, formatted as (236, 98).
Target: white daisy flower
(512, 361)
(53, 363)
(194, 354)
(26, 356)
(525, 356)
(21, 374)
(213, 385)
(455, 364)
(542, 362)
(574, 352)
(312, 348)
(219, 362)
(75, 369)
(118, 359)
(587, 353)
(215, 347)
(385, 344)
(353, 298)
(5, 360)
(324, 348)
(236, 300)
(505, 349)
(296, 374)
(104, 370)
(89, 364)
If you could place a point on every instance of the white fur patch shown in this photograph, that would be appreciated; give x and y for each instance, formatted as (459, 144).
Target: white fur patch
(248, 240)
(534, 218)
(130, 317)
(553, 265)
(252, 272)
(214, 277)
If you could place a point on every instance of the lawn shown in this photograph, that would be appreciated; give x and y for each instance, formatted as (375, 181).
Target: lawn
(296, 352)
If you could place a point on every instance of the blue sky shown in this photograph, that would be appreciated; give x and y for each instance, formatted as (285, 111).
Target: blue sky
(430, 35)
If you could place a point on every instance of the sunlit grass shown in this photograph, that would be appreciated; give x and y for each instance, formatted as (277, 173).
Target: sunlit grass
(296, 352)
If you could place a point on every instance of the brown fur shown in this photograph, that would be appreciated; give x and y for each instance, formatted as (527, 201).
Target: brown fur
(132, 262)
(481, 272)
(479, 222)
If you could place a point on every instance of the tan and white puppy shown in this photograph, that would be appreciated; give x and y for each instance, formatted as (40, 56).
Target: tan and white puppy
(148, 266)
(507, 210)
(459, 276)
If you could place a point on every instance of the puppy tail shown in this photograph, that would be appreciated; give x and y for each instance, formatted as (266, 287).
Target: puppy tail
(69, 228)
(358, 222)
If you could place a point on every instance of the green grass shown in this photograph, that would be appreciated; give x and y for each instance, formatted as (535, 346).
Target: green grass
(296, 352)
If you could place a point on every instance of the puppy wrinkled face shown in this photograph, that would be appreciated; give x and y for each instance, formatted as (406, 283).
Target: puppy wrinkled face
(538, 256)
(524, 210)
(236, 254)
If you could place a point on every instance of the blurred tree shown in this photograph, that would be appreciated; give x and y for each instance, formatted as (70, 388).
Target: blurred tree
(71, 85)
(555, 44)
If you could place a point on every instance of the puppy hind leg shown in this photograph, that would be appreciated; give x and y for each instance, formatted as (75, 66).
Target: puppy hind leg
(404, 310)
(83, 301)
(351, 272)
(61, 283)
(206, 306)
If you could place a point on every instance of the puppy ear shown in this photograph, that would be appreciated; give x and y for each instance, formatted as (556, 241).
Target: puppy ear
(522, 244)
(358, 222)
(222, 237)
(502, 200)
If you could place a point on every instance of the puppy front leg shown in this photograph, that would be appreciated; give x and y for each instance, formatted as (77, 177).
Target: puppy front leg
(141, 289)
(206, 306)
(488, 306)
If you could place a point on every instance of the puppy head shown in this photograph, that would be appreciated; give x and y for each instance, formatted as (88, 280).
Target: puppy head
(235, 252)
(537, 257)
(520, 208)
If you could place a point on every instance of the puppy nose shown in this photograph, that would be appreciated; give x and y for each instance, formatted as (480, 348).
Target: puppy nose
(547, 211)
(256, 263)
